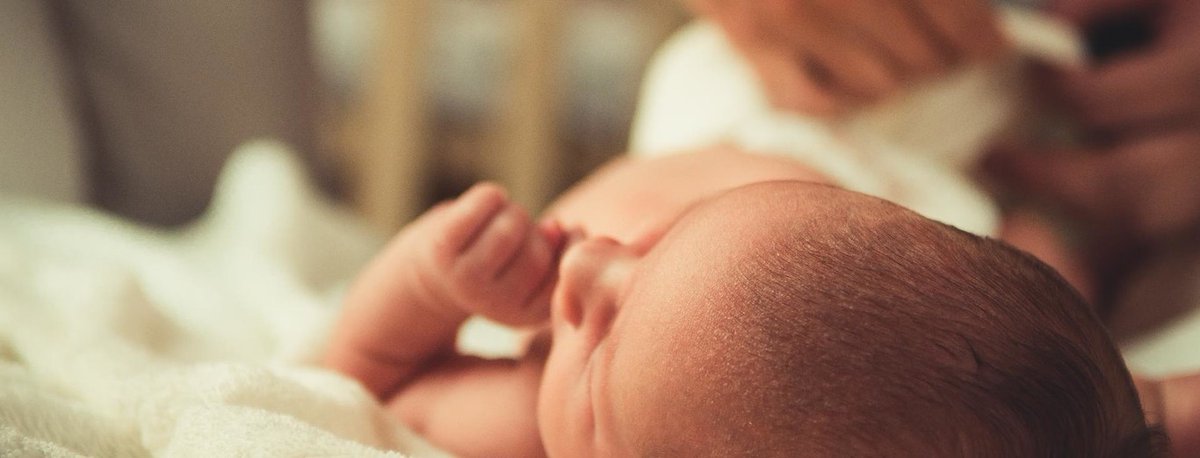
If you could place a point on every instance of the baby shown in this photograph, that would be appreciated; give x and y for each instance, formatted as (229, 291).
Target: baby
(731, 306)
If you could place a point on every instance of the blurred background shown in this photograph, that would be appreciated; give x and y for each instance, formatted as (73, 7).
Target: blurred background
(133, 106)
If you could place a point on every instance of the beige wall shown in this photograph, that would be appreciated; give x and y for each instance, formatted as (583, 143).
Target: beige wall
(39, 146)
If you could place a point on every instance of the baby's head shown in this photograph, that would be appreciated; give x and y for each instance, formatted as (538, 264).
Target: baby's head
(799, 319)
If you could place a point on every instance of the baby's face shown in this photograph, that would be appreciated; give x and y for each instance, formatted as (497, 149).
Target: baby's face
(639, 329)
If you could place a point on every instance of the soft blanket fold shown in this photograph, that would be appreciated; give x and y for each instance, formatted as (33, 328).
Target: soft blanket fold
(116, 340)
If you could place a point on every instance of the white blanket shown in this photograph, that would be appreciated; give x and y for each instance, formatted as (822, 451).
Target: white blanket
(116, 340)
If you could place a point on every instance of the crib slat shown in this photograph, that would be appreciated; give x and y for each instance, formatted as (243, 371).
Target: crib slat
(528, 124)
(394, 167)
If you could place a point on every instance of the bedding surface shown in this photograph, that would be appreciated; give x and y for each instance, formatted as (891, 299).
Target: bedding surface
(117, 340)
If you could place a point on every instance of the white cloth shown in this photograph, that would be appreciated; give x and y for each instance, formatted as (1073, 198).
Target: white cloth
(116, 340)
(912, 150)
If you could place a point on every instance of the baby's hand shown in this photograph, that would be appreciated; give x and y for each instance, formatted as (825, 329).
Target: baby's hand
(484, 255)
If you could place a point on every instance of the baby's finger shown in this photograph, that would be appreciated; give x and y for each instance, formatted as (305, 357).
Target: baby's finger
(538, 305)
(525, 271)
(497, 243)
(525, 277)
(466, 216)
(553, 232)
(438, 210)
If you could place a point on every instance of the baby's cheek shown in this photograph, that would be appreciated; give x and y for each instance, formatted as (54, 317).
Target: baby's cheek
(563, 419)
(552, 401)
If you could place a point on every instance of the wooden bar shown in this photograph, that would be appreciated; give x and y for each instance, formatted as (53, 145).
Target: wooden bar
(392, 180)
(529, 127)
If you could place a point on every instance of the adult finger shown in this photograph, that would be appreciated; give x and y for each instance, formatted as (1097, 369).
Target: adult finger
(1078, 180)
(1087, 11)
(1147, 186)
(778, 64)
(834, 56)
(968, 28)
(889, 27)
(1135, 90)
(1159, 174)
(790, 87)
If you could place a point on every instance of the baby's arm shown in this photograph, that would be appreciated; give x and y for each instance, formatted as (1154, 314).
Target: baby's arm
(476, 407)
(479, 254)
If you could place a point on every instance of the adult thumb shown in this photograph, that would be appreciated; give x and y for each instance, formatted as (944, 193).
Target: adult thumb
(1075, 180)
(1083, 12)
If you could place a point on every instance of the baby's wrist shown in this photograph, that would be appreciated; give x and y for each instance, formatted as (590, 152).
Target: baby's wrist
(446, 310)
(437, 303)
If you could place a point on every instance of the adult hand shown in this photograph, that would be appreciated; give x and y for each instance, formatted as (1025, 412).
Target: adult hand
(1144, 177)
(824, 56)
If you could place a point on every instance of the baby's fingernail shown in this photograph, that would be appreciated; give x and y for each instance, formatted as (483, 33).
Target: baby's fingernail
(575, 235)
(487, 187)
(552, 231)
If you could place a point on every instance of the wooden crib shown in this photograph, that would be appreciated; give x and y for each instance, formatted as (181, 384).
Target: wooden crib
(389, 162)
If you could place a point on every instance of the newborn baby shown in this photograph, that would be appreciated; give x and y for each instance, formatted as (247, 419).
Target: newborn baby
(751, 315)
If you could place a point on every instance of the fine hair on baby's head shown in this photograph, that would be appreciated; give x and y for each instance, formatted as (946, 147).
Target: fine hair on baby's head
(876, 332)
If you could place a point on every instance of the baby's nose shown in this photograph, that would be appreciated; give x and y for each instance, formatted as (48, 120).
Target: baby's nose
(590, 276)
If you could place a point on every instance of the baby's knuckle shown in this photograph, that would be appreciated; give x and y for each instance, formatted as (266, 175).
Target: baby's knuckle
(541, 256)
(493, 305)
(436, 256)
(504, 242)
(468, 272)
(440, 245)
